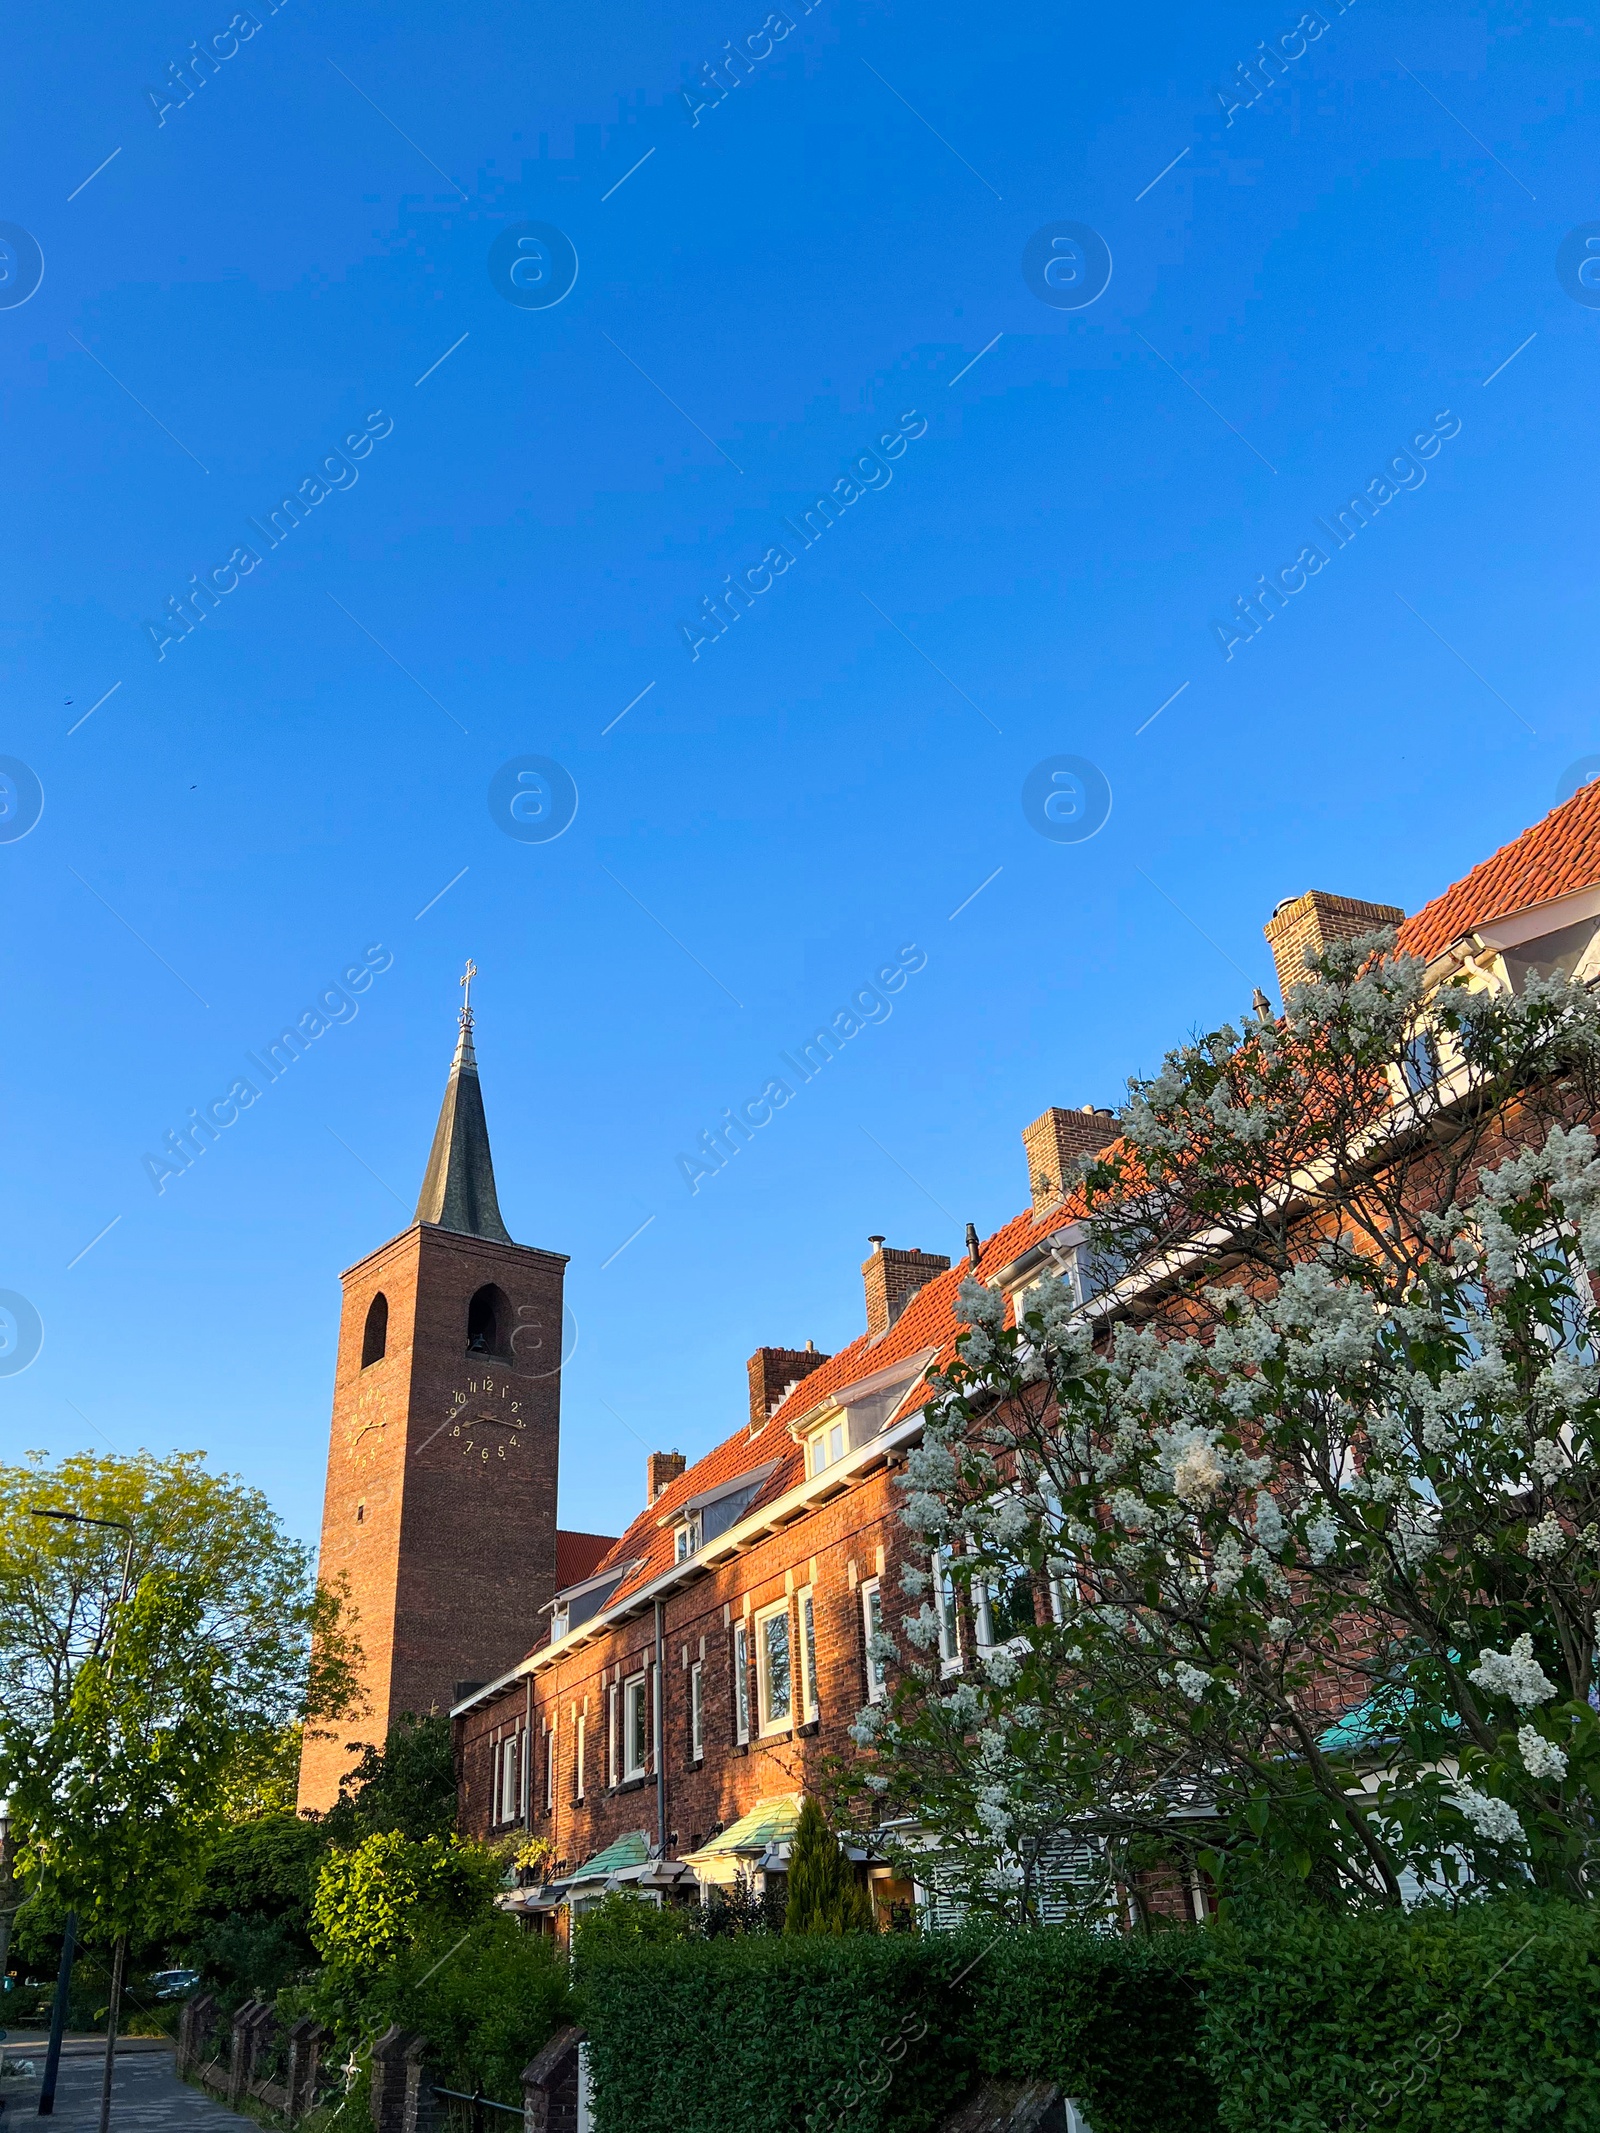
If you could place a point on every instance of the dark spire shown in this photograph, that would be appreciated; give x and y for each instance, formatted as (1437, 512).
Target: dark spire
(458, 1191)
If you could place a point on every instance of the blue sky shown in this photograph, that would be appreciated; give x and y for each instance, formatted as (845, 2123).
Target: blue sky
(766, 286)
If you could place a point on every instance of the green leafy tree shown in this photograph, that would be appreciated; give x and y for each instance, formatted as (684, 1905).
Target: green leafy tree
(824, 1895)
(1310, 1430)
(133, 1729)
(409, 1933)
(408, 1785)
(373, 1903)
(283, 1643)
(249, 1926)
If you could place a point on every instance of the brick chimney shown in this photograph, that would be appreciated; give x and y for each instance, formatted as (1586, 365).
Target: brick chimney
(893, 1278)
(661, 1469)
(1056, 1144)
(775, 1372)
(1304, 925)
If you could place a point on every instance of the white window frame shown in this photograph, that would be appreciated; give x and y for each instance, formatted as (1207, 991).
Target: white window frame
(944, 1606)
(686, 1540)
(872, 1623)
(613, 1747)
(550, 1767)
(823, 1454)
(636, 1685)
(741, 1682)
(580, 1748)
(508, 1777)
(806, 1614)
(697, 1712)
(774, 1722)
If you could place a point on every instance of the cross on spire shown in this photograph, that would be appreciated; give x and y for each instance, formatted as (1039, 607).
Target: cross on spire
(467, 977)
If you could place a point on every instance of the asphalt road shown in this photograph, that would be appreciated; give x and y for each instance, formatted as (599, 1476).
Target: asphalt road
(146, 2095)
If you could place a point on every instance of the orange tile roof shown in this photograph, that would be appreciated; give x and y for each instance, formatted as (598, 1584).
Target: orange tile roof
(929, 1320)
(1556, 857)
(579, 1554)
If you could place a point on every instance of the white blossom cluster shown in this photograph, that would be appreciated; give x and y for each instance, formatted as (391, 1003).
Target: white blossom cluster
(1516, 1674)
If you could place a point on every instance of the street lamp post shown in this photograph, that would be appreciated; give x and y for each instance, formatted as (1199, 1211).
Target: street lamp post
(58, 2011)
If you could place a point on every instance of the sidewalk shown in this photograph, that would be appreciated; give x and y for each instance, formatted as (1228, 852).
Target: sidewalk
(146, 2095)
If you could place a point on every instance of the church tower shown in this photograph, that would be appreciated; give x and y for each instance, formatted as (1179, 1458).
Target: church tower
(440, 1511)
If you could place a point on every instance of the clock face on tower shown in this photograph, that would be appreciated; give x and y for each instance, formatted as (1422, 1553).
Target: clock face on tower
(485, 1423)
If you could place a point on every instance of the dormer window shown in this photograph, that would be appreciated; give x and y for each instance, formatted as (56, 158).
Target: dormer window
(558, 1625)
(686, 1540)
(829, 1446)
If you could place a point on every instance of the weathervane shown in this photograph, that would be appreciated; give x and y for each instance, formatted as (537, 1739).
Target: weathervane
(467, 977)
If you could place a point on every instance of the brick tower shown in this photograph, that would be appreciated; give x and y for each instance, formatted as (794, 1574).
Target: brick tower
(440, 1509)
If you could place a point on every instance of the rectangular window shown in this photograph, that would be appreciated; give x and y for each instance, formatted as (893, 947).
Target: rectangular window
(774, 1668)
(579, 1755)
(828, 1447)
(687, 1539)
(611, 1736)
(944, 1601)
(741, 1682)
(697, 1713)
(550, 1769)
(635, 1723)
(508, 1779)
(872, 1623)
(657, 1715)
(810, 1700)
(1005, 1609)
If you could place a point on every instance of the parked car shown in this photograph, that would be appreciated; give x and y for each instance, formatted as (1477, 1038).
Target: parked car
(173, 1984)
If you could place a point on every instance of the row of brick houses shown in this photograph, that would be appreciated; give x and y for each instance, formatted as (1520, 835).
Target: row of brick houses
(677, 1700)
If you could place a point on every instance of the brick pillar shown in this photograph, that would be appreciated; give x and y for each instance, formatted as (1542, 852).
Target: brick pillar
(300, 2078)
(389, 2080)
(550, 2086)
(194, 2027)
(422, 2112)
(241, 2046)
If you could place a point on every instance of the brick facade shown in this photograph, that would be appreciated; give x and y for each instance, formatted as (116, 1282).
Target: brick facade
(835, 1551)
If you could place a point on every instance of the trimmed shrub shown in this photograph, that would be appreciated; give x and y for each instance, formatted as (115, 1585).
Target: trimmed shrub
(1484, 2021)
(1115, 2023)
(775, 2033)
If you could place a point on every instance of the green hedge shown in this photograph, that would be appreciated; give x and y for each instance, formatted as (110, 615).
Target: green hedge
(777, 2033)
(1425, 2023)
(805, 2034)
(1114, 2022)
(1486, 2022)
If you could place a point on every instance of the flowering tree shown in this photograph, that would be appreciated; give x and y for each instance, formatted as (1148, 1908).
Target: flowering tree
(1302, 1482)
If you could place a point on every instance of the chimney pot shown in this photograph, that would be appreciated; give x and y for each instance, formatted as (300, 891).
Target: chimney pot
(1057, 1144)
(1302, 926)
(892, 1278)
(661, 1470)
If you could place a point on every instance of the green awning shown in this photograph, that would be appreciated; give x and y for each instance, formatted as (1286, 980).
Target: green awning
(771, 1821)
(633, 1850)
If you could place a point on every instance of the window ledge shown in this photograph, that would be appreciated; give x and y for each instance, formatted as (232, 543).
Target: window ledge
(811, 1726)
(635, 1784)
(772, 1733)
(740, 1747)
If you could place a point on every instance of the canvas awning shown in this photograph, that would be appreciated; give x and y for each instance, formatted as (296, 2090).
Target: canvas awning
(769, 1824)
